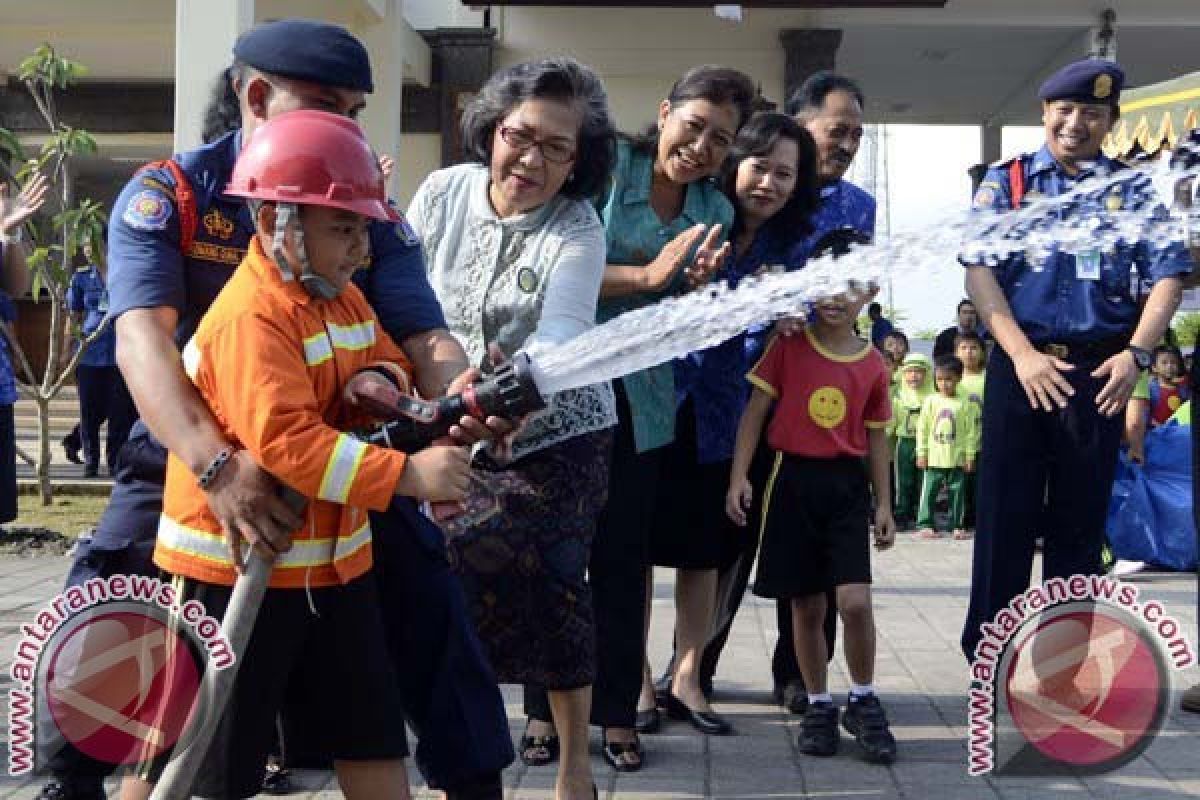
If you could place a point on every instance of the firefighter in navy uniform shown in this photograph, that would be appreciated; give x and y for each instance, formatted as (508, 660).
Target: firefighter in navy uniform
(174, 241)
(1071, 348)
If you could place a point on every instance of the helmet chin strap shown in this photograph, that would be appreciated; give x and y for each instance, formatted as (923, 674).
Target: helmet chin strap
(287, 215)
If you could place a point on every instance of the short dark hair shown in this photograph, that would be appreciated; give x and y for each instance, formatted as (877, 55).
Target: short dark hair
(949, 364)
(966, 301)
(562, 79)
(896, 333)
(757, 138)
(718, 85)
(875, 308)
(1171, 349)
(969, 336)
(810, 97)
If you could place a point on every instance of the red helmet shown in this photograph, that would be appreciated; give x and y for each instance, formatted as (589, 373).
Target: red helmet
(312, 158)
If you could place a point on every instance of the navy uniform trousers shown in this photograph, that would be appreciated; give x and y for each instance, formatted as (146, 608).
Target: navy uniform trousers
(1045, 473)
(1196, 486)
(450, 694)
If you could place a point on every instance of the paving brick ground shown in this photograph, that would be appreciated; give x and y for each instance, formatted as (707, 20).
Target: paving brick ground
(920, 599)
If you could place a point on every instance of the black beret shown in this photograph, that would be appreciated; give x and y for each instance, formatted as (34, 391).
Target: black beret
(1093, 80)
(307, 50)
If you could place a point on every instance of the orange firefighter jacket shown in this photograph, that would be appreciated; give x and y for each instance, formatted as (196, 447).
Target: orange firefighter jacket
(271, 362)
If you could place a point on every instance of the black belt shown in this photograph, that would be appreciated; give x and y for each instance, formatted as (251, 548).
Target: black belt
(1097, 350)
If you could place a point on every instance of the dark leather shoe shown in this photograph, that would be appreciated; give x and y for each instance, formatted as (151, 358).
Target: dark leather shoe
(707, 722)
(648, 721)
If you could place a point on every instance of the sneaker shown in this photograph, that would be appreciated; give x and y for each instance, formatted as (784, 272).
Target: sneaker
(818, 730)
(792, 696)
(1191, 700)
(866, 721)
(1124, 567)
(72, 790)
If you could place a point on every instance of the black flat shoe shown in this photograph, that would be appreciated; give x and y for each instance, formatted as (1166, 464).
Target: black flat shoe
(615, 753)
(648, 721)
(538, 751)
(707, 722)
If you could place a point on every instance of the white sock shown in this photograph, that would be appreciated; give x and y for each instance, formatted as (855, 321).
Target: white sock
(824, 697)
(860, 690)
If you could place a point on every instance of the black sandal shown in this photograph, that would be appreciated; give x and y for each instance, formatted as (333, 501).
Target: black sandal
(615, 753)
(538, 751)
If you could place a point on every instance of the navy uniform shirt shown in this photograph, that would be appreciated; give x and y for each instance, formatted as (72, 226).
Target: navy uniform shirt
(1062, 298)
(147, 269)
(88, 295)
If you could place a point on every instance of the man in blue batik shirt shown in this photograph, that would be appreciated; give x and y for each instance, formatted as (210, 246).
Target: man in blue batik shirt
(1071, 347)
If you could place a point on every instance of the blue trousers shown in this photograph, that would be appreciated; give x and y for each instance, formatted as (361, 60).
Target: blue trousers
(451, 699)
(103, 396)
(1046, 473)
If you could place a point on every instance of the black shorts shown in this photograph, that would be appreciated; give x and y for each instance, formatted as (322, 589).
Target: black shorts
(816, 527)
(337, 657)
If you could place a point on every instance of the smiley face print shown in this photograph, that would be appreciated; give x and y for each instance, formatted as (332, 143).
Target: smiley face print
(827, 407)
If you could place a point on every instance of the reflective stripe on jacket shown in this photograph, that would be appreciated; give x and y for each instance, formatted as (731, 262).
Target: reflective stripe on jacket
(272, 363)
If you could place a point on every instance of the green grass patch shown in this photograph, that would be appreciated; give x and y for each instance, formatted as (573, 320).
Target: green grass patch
(69, 515)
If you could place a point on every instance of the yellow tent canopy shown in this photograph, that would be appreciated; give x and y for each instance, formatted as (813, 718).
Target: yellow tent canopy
(1154, 117)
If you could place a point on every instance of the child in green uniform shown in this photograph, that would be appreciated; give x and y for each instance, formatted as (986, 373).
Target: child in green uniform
(970, 350)
(947, 445)
(914, 383)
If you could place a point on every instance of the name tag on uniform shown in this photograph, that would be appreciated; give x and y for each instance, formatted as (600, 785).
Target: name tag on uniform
(1087, 265)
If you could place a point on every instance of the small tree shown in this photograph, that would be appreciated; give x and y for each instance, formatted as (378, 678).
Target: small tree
(57, 239)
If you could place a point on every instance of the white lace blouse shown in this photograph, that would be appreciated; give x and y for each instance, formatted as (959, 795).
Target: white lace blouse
(524, 282)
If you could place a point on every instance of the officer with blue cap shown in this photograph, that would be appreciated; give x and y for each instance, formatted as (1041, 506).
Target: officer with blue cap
(1072, 344)
(174, 240)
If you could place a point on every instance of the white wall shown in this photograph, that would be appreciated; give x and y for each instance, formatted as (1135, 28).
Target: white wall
(420, 154)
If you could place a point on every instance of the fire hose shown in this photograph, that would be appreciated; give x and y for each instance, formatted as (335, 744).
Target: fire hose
(508, 392)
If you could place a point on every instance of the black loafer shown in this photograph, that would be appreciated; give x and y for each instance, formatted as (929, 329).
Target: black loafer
(707, 722)
(648, 721)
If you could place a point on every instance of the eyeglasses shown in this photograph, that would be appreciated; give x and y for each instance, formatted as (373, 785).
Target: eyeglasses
(553, 150)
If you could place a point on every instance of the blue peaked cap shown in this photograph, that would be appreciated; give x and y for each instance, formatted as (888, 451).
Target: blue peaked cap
(307, 50)
(1093, 80)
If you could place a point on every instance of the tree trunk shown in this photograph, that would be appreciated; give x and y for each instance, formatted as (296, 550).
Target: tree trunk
(43, 459)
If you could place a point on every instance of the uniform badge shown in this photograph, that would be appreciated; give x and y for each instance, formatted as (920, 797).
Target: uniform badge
(148, 210)
(985, 197)
(527, 280)
(217, 224)
(1103, 86)
(1114, 202)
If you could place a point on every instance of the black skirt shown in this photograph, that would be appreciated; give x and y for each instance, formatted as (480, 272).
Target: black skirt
(523, 565)
(691, 529)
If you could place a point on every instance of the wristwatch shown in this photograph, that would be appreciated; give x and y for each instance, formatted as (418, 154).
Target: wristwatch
(1141, 356)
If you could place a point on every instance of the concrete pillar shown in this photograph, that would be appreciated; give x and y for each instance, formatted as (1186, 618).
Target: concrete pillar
(990, 143)
(384, 40)
(807, 50)
(204, 37)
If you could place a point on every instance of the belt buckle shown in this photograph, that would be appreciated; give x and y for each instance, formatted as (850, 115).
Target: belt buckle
(1057, 350)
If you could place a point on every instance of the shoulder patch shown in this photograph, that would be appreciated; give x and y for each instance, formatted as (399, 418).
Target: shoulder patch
(985, 197)
(155, 183)
(148, 210)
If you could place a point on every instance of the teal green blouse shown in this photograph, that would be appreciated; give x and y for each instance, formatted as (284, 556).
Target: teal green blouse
(635, 235)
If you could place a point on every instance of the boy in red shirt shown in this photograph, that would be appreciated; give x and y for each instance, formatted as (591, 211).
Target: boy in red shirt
(831, 395)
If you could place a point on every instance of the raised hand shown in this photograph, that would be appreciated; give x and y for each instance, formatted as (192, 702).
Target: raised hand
(14, 211)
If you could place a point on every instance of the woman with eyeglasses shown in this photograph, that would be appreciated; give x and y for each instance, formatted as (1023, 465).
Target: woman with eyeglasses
(515, 252)
(665, 223)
